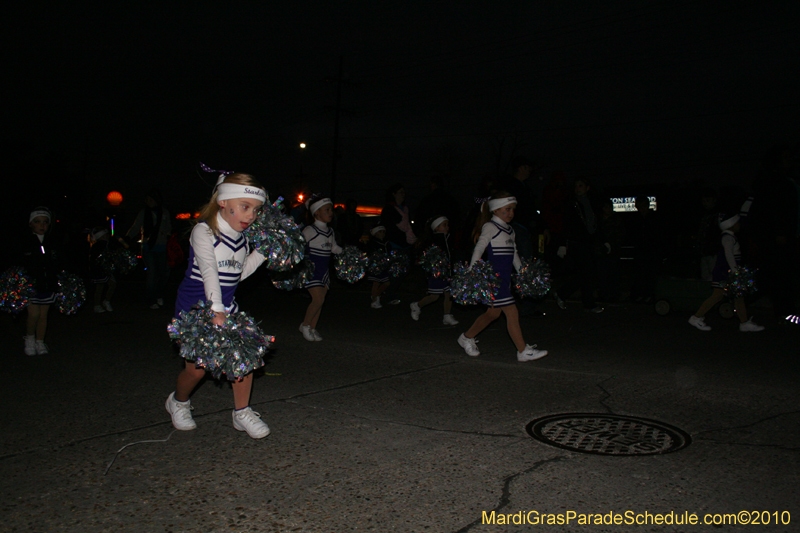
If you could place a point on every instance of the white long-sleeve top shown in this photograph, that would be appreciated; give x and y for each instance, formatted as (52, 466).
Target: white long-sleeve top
(320, 239)
(731, 249)
(220, 261)
(499, 237)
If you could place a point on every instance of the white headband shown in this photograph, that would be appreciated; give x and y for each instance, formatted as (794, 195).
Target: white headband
(435, 224)
(39, 213)
(227, 191)
(497, 203)
(376, 229)
(319, 203)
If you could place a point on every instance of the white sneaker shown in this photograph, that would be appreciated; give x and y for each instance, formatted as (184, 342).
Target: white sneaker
(376, 303)
(30, 344)
(748, 326)
(415, 310)
(449, 320)
(317, 336)
(250, 421)
(181, 413)
(699, 323)
(559, 301)
(107, 305)
(99, 309)
(159, 301)
(41, 347)
(395, 301)
(307, 334)
(469, 346)
(530, 353)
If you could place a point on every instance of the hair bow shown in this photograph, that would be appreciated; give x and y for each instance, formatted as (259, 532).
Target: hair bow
(313, 198)
(222, 173)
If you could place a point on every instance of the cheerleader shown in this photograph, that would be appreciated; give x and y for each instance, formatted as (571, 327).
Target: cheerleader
(437, 233)
(219, 258)
(40, 262)
(320, 243)
(493, 233)
(380, 281)
(729, 258)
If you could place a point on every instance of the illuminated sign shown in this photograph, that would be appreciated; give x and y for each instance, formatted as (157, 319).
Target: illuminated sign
(628, 203)
(365, 210)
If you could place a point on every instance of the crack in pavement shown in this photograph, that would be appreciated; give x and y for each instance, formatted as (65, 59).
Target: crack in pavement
(753, 424)
(409, 424)
(602, 401)
(734, 443)
(505, 498)
(757, 422)
(73, 442)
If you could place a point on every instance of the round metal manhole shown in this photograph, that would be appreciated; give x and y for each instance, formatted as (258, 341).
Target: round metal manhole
(605, 434)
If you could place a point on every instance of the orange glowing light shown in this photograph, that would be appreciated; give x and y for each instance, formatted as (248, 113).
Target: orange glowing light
(369, 210)
(300, 197)
(114, 198)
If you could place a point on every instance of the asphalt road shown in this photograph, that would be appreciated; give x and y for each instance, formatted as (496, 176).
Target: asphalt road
(387, 425)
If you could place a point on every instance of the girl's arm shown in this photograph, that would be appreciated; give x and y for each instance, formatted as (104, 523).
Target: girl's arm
(727, 247)
(335, 248)
(517, 262)
(137, 225)
(202, 241)
(483, 242)
(166, 224)
(251, 263)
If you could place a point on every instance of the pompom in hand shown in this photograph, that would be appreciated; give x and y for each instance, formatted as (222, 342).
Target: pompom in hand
(71, 293)
(378, 262)
(295, 278)
(435, 262)
(533, 278)
(351, 264)
(399, 264)
(16, 290)
(232, 350)
(741, 282)
(474, 285)
(275, 236)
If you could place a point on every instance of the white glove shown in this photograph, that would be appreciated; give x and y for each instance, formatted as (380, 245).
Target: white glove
(562, 252)
(608, 247)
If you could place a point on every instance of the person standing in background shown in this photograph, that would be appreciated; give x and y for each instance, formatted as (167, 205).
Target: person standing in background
(154, 227)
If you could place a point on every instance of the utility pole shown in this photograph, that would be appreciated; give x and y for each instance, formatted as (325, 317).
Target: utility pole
(336, 128)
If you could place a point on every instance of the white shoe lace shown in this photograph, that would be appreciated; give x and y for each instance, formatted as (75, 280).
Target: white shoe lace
(250, 419)
(182, 411)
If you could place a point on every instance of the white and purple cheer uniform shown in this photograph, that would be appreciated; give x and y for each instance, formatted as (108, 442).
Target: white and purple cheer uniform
(379, 247)
(319, 245)
(442, 284)
(216, 266)
(497, 239)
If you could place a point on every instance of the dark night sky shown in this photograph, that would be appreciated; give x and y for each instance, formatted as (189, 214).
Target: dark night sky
(125, 97)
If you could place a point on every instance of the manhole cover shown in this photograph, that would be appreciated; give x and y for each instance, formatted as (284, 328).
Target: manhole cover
(608, 434)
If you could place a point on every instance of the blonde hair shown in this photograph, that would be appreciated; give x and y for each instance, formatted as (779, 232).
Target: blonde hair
(208, 213)
(486, 215)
